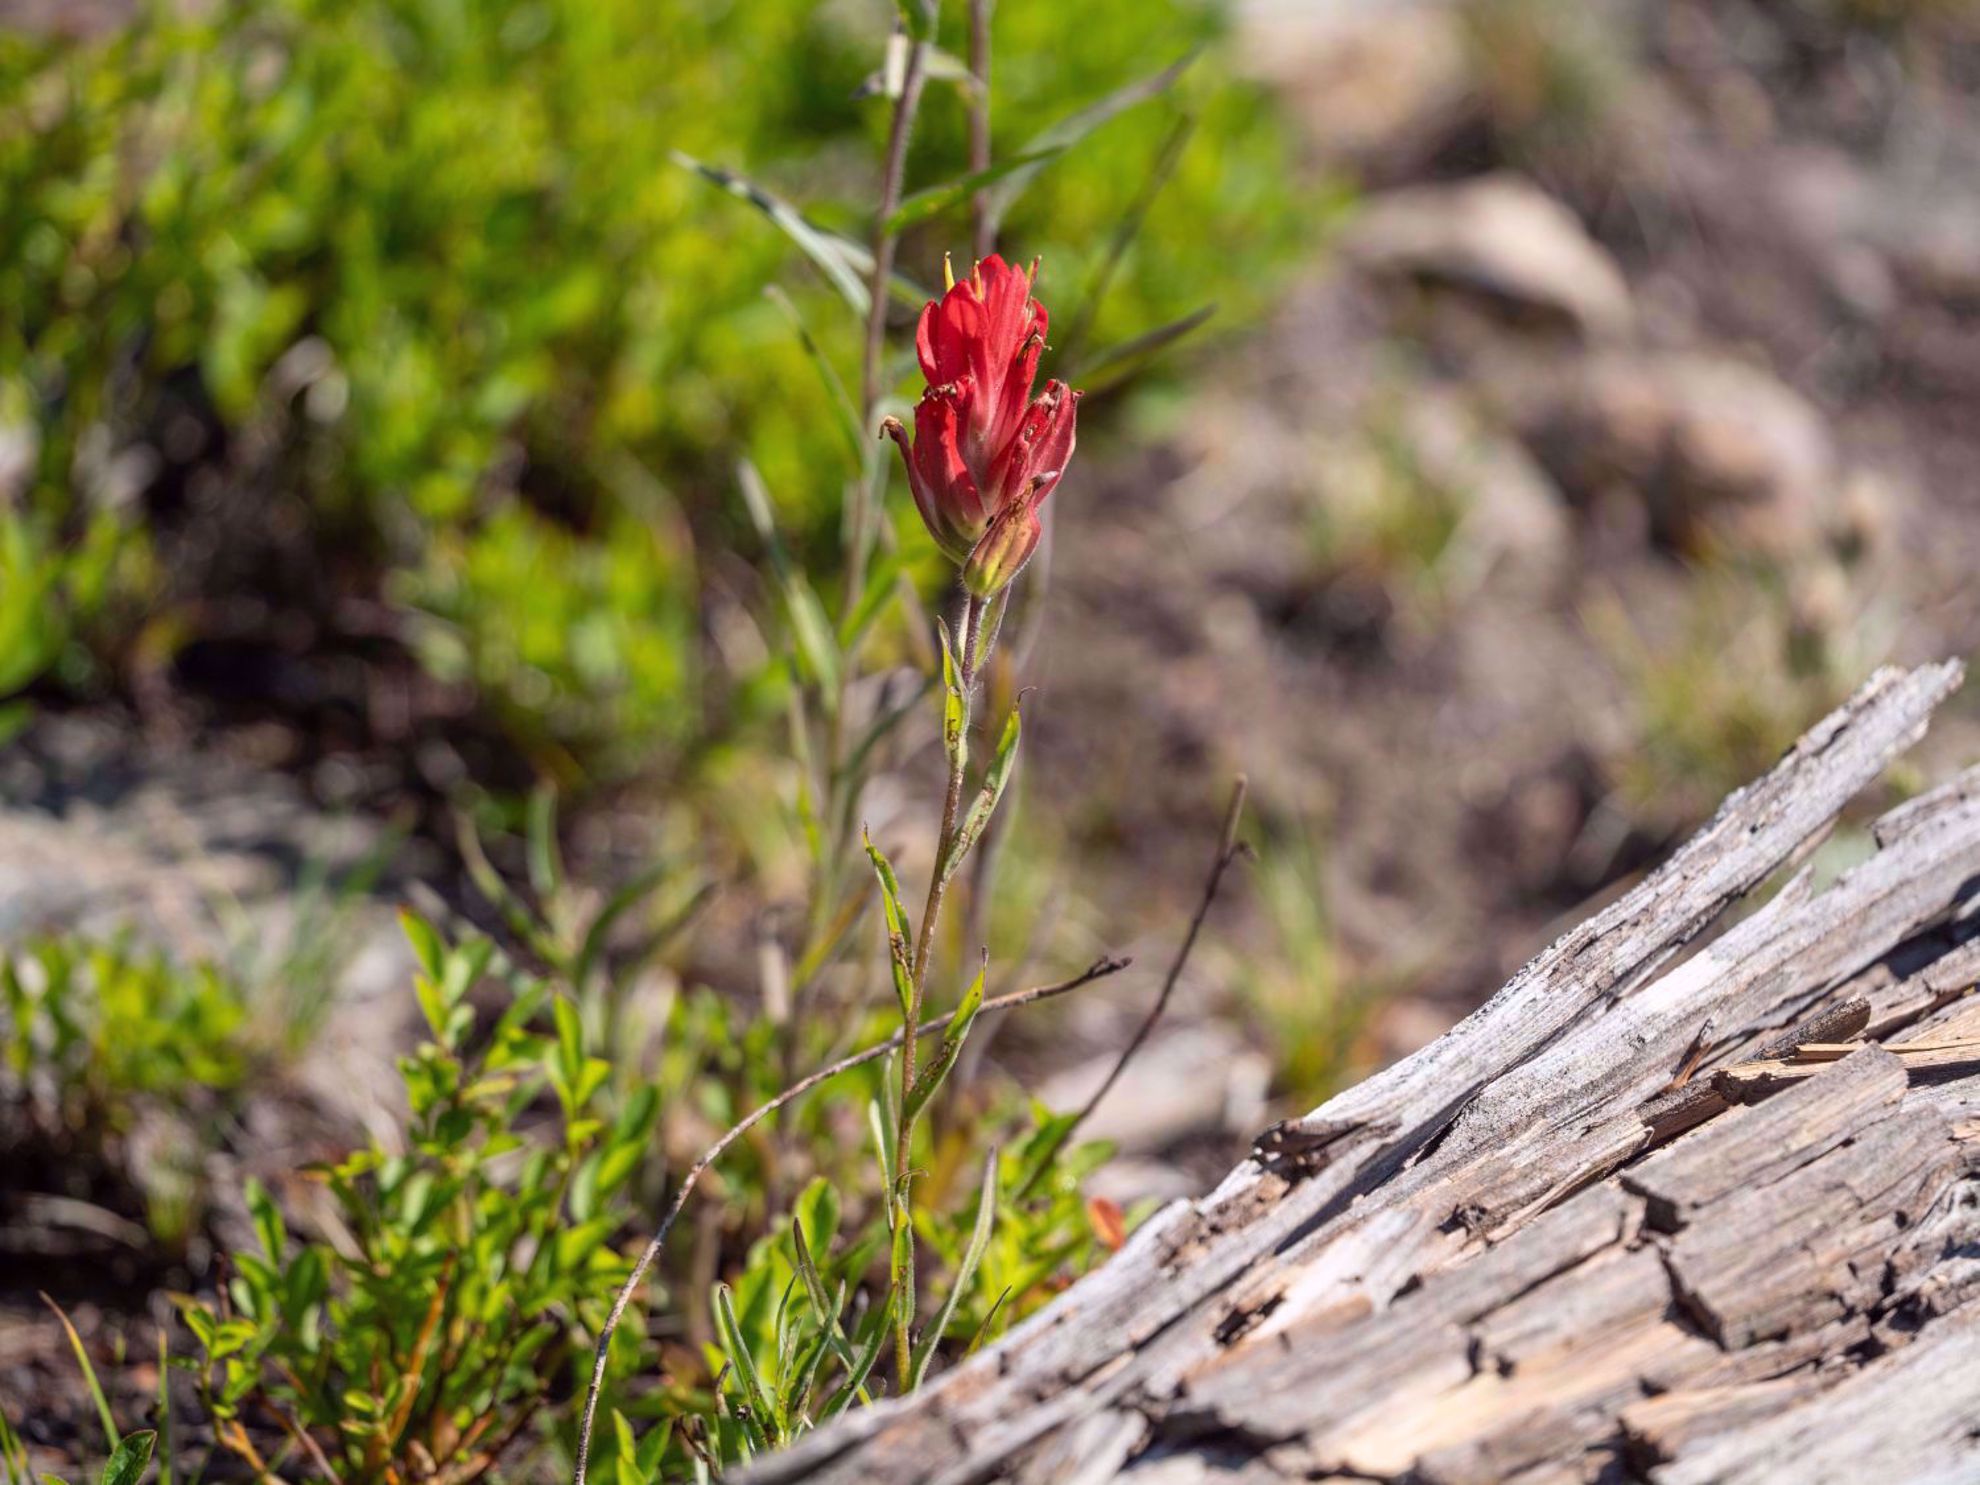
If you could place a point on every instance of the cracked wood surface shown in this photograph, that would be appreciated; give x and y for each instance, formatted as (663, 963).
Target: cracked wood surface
(1521, 1254)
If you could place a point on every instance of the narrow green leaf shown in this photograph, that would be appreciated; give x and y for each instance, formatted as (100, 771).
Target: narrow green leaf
(1075, 127)
(851, 427)
(862, 1366)
(983, 1331)
(617, 906)
(1072, 341)
(809, 627)
(742, 1358)
(164, 1410)
(900, 1269)
(882, 587)
(95, 1388)
(814, 1290)
(1110, 367)
(570, 1039)
(882, 1124)
(979, 1240)
(884, 725)
(488, 882)
(129, 1458)
(929, 1080)
(926, 203)
(546, 872)
(427, 945)
(955, 706)
(985, 803)
(622, 1432)
(826, 249)
(899, 934)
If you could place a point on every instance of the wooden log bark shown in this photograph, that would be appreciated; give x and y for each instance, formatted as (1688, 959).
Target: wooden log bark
(1524, 1254)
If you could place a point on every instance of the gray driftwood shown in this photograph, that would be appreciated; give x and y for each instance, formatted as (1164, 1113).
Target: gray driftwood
(1523, 1254)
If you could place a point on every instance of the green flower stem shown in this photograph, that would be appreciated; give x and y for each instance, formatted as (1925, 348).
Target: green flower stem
(968, 663)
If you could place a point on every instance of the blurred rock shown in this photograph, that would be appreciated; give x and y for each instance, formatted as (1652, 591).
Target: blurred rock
(1376, 87)
(1128, 1181)
(1501, 237)
(1515, 521)
(205, 858)
(1188, 1080)
(1720, 452)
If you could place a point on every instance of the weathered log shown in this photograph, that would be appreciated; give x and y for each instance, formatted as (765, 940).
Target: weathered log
(1579, 1237)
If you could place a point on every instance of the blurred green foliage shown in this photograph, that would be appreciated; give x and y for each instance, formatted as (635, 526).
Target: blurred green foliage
(99, 1037)
(416, 285)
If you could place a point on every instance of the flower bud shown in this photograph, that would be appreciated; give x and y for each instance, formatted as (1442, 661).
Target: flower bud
(985, 454)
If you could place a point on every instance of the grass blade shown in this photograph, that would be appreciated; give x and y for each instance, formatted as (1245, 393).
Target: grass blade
(1115, 364)
(979, 1240)
(89, 1377)
(1073, 342)
(1075, 127)
(826, 249)
(924, 204)
(862, 1367)
(744, 1361)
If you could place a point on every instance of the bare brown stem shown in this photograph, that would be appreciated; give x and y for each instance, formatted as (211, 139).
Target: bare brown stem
(983, 233)
(872, 362)
(1228, 850)
(1100, 969)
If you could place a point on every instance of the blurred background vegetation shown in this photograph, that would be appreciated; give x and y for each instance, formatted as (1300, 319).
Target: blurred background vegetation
(335, 333)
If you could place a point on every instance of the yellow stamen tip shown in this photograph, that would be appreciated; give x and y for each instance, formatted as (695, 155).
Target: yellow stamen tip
(948, 274)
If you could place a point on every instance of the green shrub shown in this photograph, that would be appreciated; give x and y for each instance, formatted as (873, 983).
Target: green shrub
(93, 1037)
(422, 286)
(471, 1264)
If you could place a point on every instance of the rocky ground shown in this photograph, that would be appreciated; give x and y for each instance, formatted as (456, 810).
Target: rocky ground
(1625, 426)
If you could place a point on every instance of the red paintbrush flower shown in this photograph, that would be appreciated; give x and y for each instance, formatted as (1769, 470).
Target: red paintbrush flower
(985, 453)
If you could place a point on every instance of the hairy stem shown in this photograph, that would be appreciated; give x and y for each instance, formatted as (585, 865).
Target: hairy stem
(967, 664)
(1098, 970)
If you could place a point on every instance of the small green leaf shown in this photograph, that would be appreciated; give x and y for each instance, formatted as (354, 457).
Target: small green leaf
(955, 705)
(744, 1360)
(985, 803)
(851, 427)
(570, 1039)
(546, 871)
(427, 946)
(128, 1460)
(929, 1080)
(979, 1240)
(898, 933)
(862, 1367)
(810, 628)
(900, 1268)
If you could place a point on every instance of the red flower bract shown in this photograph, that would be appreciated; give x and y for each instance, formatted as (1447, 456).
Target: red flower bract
(985, 454)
